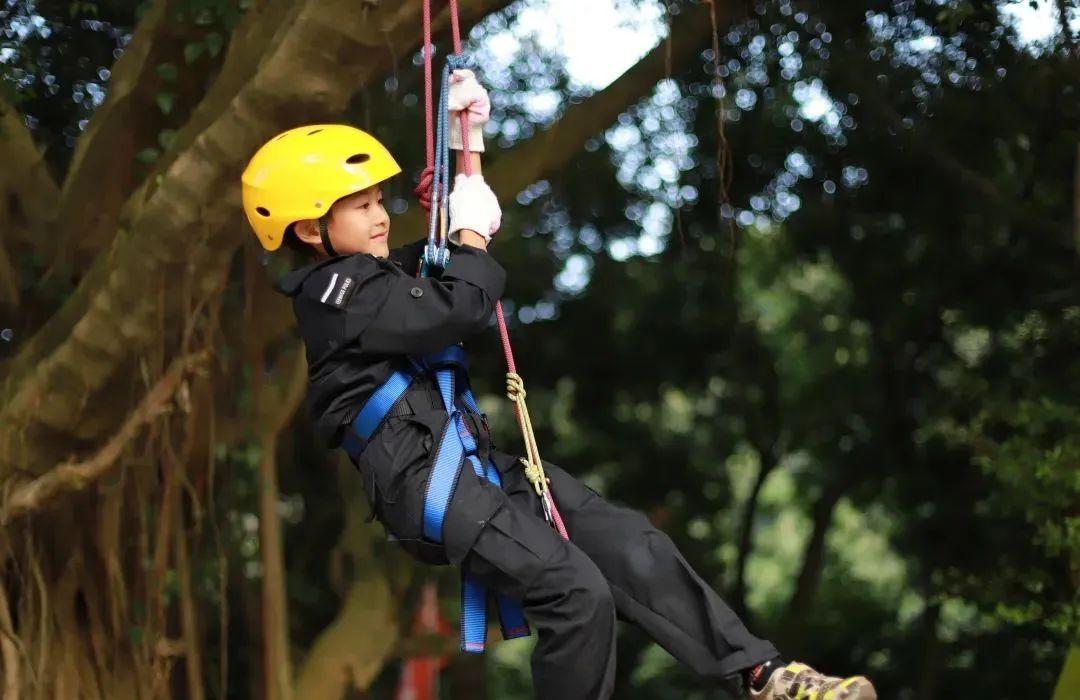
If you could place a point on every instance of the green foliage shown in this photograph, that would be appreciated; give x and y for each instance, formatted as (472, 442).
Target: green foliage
(192, 51)
(148, 155)
(167, 71)
(165, 101)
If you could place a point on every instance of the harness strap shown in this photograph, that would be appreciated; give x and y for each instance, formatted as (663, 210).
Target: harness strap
(455, 448)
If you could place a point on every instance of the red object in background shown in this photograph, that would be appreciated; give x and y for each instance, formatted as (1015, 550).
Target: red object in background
(420, 674)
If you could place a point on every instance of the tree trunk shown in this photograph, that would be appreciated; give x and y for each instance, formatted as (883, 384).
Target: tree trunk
(746, 533)
(1068, 685)
(350, 653)
(929, 668)
(812, 564)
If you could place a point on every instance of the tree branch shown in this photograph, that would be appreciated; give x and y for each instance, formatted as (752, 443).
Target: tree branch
(75, 476)
(128, 121)
(1066, 30)
(28, 193)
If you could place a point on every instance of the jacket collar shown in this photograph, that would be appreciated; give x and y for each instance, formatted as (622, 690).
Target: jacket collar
(290, 283)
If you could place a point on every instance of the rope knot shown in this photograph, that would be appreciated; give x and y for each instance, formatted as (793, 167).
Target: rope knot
(534, 472)
(515, 387)
(423, 187)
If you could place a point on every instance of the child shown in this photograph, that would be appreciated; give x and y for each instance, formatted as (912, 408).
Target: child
(363, 312)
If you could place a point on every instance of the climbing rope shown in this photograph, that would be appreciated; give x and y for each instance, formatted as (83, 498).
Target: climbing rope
(433, 191)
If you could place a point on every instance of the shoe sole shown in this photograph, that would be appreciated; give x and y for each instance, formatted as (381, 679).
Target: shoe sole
(859, 685)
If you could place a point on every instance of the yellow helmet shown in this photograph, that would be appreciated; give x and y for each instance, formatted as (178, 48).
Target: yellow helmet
(299, 173)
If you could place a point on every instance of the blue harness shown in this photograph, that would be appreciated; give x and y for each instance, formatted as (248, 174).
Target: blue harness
(455, 447)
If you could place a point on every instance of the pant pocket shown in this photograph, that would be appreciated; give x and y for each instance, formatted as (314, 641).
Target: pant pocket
(512, 550)
(424, 551)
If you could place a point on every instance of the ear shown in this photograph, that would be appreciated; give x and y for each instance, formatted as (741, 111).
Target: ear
(307, 230)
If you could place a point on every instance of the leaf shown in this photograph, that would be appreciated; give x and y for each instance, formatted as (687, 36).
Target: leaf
(192, 51)
(167, 71)
(148, 155)
(166, 138)
(214, 41)
(165, 101)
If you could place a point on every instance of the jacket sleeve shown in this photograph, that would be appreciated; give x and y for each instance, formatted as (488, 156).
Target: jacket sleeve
(422, 315)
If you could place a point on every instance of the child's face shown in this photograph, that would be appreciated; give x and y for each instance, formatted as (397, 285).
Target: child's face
(357, 223)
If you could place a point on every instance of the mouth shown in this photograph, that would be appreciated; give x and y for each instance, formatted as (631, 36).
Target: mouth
(379, 236)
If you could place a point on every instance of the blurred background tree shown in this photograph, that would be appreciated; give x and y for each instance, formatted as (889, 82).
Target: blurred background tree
(803, 290)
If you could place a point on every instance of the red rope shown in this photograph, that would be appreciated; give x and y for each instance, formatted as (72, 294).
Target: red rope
(428, 109)
(455, 31)
(423, 190)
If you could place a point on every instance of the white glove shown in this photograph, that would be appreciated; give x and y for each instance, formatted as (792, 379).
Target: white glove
(473, 206)
(467, 94)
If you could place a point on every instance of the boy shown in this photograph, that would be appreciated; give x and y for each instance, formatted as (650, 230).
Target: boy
(363, 313)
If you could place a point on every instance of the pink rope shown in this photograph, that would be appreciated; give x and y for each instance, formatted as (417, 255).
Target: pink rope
(455, 31)
(428, 110)
(425, 185)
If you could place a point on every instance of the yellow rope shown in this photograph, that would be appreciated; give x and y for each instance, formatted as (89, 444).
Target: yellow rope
(534, 467)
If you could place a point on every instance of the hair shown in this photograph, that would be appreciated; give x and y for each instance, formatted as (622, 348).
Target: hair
(293, 243)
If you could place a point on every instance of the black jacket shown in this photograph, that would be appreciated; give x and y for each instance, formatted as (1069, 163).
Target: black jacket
(360, 315)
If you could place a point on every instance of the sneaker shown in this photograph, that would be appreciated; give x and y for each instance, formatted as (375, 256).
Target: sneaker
(800, 682)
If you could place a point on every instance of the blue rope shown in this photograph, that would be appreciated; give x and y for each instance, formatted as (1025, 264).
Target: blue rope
(435, 252)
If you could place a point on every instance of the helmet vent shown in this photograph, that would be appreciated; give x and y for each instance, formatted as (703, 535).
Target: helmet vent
(358, 158)
(282, 136)
(263, 210)
(313, 132)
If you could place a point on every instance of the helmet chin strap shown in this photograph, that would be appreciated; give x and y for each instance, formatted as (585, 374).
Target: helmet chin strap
(325, 236)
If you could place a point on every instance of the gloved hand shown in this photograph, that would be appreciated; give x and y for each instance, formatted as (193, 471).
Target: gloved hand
(473, 206)
(467, 94)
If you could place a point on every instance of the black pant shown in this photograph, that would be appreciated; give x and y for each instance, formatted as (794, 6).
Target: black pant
(616, 564)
